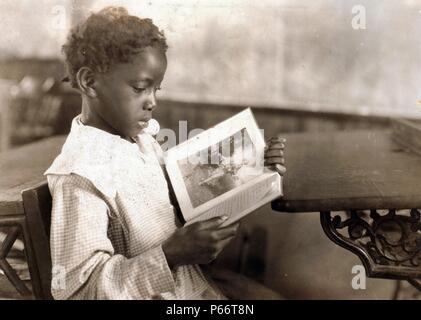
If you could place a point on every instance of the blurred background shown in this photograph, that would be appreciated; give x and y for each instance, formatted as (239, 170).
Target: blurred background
(300, 64)
(296, 56)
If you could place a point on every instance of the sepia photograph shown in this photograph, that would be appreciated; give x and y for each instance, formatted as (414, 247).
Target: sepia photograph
(230, 150)
(223, 169)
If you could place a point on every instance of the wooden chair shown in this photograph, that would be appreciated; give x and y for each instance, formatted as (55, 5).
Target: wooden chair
(37, 204)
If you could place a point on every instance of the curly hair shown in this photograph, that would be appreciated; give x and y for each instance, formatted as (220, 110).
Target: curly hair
(107, 37)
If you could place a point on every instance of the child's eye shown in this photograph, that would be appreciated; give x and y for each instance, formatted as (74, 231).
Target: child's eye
(158, 88)
(138, 90)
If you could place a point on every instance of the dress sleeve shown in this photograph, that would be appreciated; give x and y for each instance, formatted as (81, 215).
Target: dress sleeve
(85, 265)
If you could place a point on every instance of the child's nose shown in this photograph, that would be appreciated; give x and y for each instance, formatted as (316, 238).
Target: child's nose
(149, 106)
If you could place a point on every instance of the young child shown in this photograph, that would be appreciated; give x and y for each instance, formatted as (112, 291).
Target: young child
(114, 232)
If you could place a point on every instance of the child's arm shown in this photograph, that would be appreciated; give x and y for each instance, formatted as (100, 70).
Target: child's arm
(83, 254)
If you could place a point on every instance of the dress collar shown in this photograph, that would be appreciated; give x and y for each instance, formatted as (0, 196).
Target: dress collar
(96, 155)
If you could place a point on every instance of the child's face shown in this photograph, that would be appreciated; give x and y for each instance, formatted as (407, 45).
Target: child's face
(127, 92)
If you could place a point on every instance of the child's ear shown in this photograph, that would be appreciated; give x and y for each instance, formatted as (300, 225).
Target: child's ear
(86, 80)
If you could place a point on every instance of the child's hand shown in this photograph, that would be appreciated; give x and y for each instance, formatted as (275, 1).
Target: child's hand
(274, 154)
(199, 243)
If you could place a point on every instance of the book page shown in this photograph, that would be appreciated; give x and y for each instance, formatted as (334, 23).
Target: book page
(221, 170)
(246, 200)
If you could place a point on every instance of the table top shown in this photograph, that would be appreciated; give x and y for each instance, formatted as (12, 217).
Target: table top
(23, 167)
(337, 171)
(329, 171)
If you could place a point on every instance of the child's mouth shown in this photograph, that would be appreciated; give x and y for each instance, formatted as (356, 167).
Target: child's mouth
(151, 126)
(143, 124)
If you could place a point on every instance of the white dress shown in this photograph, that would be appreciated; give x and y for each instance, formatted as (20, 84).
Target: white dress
(111, 214)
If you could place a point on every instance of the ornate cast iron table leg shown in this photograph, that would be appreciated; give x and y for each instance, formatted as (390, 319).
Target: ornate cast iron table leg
(388, 244)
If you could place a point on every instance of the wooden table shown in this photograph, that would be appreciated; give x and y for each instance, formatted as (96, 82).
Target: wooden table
(358, 181)
(356, 172)
(21, 168)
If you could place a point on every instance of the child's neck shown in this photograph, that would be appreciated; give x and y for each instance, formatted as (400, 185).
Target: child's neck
(92, 119)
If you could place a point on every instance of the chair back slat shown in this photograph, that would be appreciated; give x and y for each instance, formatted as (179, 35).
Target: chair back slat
(37, 204)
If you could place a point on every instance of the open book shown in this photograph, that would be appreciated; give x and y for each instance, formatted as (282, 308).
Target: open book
(221, 171)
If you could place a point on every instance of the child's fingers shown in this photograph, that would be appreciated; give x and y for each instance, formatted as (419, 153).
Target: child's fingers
(277, 139)
(234, 226)
(274, 153)
(279, 168)
(276, 146)
(274, 160)
(211, 223)
(226, 232)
